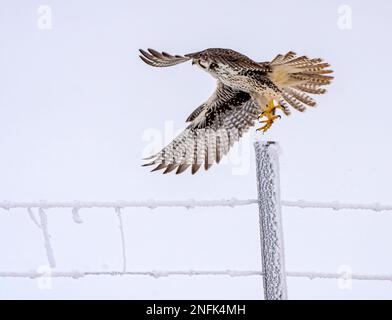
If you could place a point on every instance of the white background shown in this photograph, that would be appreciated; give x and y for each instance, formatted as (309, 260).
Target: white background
(78, 108)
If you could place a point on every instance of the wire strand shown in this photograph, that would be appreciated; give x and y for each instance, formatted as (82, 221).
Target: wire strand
(311, 275)
(190, 204)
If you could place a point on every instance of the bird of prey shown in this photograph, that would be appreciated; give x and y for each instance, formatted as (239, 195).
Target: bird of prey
(246, 91)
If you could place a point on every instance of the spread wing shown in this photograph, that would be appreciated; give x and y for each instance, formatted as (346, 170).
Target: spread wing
(214, 128)
(157, 59)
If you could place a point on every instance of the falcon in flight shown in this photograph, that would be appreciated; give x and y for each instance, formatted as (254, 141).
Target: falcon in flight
(246, 91)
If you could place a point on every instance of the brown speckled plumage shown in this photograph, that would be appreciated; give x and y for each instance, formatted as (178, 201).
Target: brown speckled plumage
(244, 87)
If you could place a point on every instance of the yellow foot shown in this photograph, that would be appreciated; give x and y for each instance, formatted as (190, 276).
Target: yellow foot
(268, 123)
(269, 113)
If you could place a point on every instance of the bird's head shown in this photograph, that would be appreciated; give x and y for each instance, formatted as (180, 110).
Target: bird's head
(207, 62)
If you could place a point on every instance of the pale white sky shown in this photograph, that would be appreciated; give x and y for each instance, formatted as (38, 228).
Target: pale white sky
(78, 109)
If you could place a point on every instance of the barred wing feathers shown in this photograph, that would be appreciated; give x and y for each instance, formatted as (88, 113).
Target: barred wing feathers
(158, 59)
(214, 127)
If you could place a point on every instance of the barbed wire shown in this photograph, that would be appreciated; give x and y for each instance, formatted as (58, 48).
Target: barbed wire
(189, 204)
(162, 274)
(117, 206)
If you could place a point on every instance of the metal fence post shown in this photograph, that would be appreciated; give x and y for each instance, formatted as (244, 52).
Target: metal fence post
(271, 229)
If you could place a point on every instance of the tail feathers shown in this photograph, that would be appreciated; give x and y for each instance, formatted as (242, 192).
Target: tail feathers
(293, 102)
(305, 77)
(316, 69)
(310, 88)
(280, 58)
(300, 96)
(298, 76)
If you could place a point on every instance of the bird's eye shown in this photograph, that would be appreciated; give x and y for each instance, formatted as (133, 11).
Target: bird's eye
(213, 65)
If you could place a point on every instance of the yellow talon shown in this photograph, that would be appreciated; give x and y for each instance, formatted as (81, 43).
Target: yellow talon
(268, 123)
(269, 113)
(271, 107)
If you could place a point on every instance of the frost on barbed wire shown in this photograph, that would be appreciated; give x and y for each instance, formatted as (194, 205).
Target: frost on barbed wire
(75, 215)
(76, 206)
(336, 205)
(157, 274)
(43, 208)
(46, 235)
(40, 219)
(33, 218)
(122, 236)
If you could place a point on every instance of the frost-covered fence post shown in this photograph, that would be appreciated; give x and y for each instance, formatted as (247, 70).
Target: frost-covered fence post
(271, 229)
